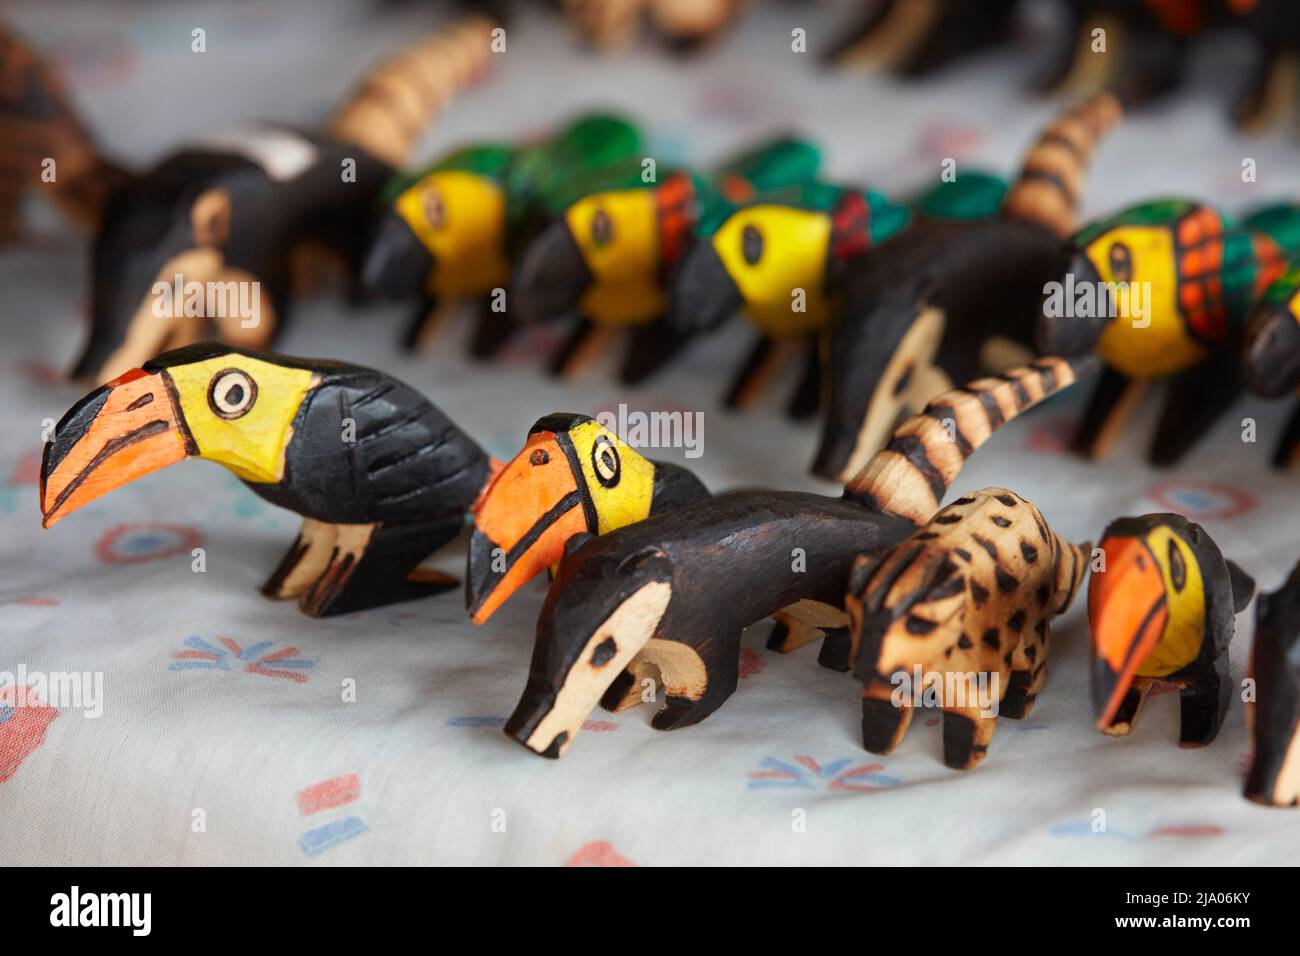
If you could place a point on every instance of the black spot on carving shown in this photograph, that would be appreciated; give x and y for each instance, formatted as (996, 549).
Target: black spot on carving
(1007, 500)
(926, 535)
(979, 592)
(1044, 593)
(1031, 652)
(987, 545)
(919, 625)
(1041, 628)
(961, 553)
(1006, 582)
(1029, 552)
(1006, 658)
(947, 519)
(965, 643)
(1001, 522)
(964, 500)
(990, 638)
(1017, 621)
(604, 652)
(948, 651)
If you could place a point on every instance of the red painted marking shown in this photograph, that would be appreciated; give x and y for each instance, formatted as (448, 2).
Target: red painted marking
(36, 601)
(281, 655)
(810, 763)
(24, 730)
(750, 663)
(27, 470)
(290, 675)
(599, 853)
(864, 769)
(194, 656)
(128, 376)
(1188, 830)
(105, 547)
(328, 794)
(605, 725)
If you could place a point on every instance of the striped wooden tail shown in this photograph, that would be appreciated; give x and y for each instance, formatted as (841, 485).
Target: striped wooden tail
(395, 102)
(1051, 182)
(910, 476)
(37, 123)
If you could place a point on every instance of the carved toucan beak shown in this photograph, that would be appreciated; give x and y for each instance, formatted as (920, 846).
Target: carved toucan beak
(521, 523)
(703, 293)
(398, 264)
(553, 275)
(1128, 611)
(119, 432)
(1068, 333)
(1272, 354)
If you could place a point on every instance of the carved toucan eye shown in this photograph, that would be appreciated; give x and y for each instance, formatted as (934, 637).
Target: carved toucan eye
(602, 228)
(538, 457)
(232, 393)
(435, 210)
(1121, 262)
(751, 244)
(1177, 568)
(604, 460)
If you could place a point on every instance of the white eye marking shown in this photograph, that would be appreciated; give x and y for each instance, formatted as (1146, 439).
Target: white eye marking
(604, 459)
(232, 393)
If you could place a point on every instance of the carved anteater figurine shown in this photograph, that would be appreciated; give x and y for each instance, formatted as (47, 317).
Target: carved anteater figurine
(939, 301)
(971, 595)
(1162, 611)
(229, 211)
(675, 591)
(1274, 715)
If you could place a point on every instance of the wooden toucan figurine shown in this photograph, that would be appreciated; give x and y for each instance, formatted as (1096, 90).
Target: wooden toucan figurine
(572, 476)
(454, 230)
(1271, 355)
(220, 219)
(380, 476)
(609, 256)
(1162, 610)
(1274, 715)
(973, 592)
(1165, 288)
(671, 594)
(946, 299)
(918, 37)
(779, 260)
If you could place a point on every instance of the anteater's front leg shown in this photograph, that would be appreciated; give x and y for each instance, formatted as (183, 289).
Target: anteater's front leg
(697, 680)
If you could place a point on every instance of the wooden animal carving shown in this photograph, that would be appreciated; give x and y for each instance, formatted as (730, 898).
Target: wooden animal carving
(202, 243)
(1162, 290)
(610, 254)
(945, 299)
(1271, 356)
(380, 476)
(454, 231)
(1274, 715)
(572, 476)
(671, 594)
(684, 24)
(918, 37)
(966, 602)
(1162, 611)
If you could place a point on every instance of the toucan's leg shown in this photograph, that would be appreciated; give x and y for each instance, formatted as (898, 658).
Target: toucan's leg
(762, 364)
(304, 562)
(1196, 398)
(580, 349)
(492, 330)
(967, 734)
(373, 565)
(1113, 400)
(696, 681)
(808, 395)
(883, 724)
(652, 346)
(1127, 713)
(1287, 453)
(428, 316)
(1203, 704)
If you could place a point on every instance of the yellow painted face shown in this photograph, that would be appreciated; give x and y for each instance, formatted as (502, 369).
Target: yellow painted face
(618, 478)
(1153, 344)
(240, 410)
(618, 235)
(772, 251)
(1185, 600)
(460, 218)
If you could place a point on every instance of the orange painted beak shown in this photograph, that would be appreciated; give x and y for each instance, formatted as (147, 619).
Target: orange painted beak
(1128, 613)
(521, 523)
(118, 432)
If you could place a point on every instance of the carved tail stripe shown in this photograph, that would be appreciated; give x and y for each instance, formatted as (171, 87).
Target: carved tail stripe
(910, 476)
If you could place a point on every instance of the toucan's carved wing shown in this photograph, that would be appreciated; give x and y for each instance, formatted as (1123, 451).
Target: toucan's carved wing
(367, 448)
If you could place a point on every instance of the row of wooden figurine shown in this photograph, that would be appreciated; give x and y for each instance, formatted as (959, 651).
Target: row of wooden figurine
(653, 574)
